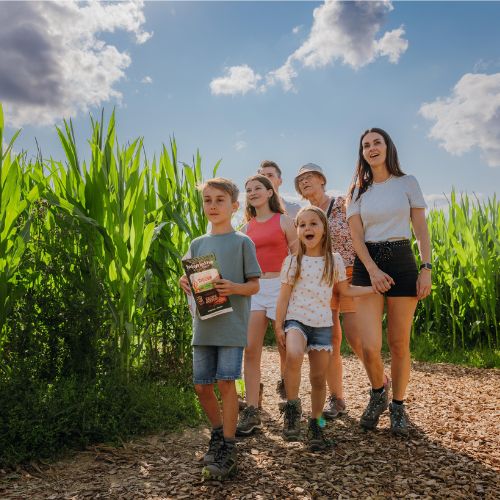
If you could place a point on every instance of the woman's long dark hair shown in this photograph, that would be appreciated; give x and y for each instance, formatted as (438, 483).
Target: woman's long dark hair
(274, 202)
(363, 177)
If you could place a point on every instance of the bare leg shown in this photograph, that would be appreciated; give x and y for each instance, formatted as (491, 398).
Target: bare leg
(256, 331)
(334, 370)
(209, 403)
(352, 333)
(370, 327)
(227, 389)
(295, 348)
(318, 363)
(400, 312)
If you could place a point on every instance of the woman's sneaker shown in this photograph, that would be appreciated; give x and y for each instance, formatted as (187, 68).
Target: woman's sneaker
(216, 441)
(225, 464)
(376, 406)
(399, 420)
(334, 407)
(316, 438)
(249, 421)
(292, 413)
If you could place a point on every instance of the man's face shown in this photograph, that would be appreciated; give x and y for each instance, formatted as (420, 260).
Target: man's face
(272, 175)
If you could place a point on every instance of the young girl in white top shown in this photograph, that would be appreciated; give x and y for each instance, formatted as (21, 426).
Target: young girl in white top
(304, 318)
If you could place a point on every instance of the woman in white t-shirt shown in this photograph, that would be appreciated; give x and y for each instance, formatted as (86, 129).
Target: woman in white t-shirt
(383, 202)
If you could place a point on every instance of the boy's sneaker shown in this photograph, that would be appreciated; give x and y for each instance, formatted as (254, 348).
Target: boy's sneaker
(316, 438)
(280, 388)
(249, 421)
(225, 464)
(216, 441)
(334, 407)
(399, 420)
(377, 405)
(292, 412)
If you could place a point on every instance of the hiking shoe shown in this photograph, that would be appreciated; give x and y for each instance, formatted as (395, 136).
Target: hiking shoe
(216, 441)
(316, 438)
(334, 407)
(225, 464)
(376, 406)
(280, 388)
(249, 421)
(292, 412)
(399, 420)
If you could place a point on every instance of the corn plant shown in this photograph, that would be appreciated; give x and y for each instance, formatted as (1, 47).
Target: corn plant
(464, 305)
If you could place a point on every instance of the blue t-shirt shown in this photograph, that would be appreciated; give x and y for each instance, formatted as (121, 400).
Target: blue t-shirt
(237, 261)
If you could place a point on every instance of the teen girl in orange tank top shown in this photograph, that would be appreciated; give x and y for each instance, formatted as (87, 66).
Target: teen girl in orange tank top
(274, 236)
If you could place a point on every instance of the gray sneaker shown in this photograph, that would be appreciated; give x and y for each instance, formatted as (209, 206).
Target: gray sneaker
(316, 438)
(216, 441)
(399, 420)
(249, 421)
(292, 412)
(225, 464)
(334, 407)
(377, 405)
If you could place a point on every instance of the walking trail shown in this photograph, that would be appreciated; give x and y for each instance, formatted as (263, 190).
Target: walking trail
(452, 452)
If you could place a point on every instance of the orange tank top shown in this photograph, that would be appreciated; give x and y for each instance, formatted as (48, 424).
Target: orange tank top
(270, 243)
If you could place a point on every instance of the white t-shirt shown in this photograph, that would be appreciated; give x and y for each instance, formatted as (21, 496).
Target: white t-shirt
(385, 208)
(310, 299)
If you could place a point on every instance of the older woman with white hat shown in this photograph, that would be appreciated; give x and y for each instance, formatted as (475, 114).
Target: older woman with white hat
(310, 183)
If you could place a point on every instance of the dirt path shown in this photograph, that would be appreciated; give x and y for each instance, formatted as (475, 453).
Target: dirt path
(453, 451)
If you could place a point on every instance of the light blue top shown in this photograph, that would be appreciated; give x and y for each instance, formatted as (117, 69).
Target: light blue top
(237, 261)
(385, 208)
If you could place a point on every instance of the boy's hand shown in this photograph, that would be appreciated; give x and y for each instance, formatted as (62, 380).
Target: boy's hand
(184, 284)
(280, 337)
(225, 287)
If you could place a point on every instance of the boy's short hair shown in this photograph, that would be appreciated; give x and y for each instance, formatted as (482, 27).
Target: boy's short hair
(269, 163)
(226, 185)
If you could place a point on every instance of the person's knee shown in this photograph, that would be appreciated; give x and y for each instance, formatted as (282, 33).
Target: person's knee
(204, 390)
(226, 386)
(399, 349)
(371, 353)
(317, 380)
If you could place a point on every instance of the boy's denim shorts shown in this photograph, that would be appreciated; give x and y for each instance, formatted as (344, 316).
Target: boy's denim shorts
(212, 363)
(317, 337)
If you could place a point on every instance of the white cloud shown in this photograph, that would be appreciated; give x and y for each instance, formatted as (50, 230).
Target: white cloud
(344, 32)
(237, 80)
(469, 118)
(54, 65)
(240, 145)
(296, 30)
(147, 79)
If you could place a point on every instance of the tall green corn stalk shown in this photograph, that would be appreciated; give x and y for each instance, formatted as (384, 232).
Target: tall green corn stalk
(14, 222)
(464, 305)
(110, 196)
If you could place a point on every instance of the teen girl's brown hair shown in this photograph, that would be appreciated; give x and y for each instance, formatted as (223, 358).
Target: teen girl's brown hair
(330, 272)
(274, 201)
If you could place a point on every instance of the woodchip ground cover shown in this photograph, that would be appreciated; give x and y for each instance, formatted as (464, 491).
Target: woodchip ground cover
(453, 451)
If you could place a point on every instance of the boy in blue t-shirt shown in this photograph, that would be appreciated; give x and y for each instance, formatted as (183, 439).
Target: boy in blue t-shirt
(218, 342)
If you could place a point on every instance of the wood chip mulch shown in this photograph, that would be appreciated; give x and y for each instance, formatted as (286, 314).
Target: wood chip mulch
(453, 451)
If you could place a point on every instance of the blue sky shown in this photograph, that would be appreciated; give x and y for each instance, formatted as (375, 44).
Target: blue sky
(294, 82)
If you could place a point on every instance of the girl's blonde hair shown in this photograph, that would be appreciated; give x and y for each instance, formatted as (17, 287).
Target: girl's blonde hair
(330, 272)
(274, 202)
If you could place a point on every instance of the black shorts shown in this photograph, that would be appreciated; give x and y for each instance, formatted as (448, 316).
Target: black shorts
(397, 260)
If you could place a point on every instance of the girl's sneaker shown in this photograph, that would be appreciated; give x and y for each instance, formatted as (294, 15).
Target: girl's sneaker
(225, 465)
(216, 441)
(316, 438)
(292, 412)
(334, 407)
